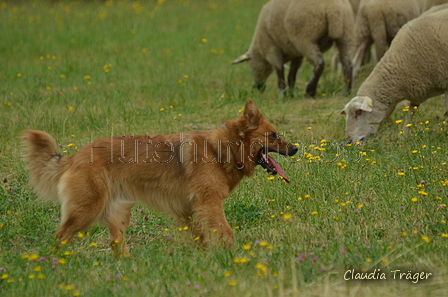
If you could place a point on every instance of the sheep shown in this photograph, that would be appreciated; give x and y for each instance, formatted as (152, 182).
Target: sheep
(334, 59)
(414, 68)
(378, 21)
(288, 30)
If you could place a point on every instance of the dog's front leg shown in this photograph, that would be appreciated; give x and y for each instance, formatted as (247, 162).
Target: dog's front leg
(210, 223)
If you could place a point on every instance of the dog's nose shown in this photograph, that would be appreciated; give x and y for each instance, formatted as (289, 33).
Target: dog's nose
(294, 150)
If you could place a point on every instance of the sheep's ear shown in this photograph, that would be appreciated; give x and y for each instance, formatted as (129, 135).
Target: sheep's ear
(243, 58)
(347, 106)
(252, 114)
(367, 104)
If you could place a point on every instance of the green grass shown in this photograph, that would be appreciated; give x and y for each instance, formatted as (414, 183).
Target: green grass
(86, 69)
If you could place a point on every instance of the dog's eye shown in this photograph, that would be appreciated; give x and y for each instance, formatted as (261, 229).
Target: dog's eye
(273, 136)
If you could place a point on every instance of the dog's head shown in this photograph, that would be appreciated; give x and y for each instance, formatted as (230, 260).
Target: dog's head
(259, 138)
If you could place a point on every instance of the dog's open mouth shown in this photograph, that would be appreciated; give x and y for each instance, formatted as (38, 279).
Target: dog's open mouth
(270, 164)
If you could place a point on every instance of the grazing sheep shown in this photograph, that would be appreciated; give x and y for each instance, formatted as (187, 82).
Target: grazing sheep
(334, 59)
(415, 68)
(378, 21)
(288, 30)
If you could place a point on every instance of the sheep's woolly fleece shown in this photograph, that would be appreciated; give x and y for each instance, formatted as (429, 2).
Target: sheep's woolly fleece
(378, 22)
(415, 68)
(290, 30)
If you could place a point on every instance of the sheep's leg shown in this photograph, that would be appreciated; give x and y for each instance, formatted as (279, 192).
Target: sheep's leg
(335, 61)
(358, 59)
(281, 79)
(446, 103)
(294, 67)
(367, 56)
(260, 86)
(318, 69)
(344, 57)
(381, 48)
(312, 52)
(409, 118)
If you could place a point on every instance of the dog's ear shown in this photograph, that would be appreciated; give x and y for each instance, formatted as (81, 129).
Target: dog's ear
(252, 114)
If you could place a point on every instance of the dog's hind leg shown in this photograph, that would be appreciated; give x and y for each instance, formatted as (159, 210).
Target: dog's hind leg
(116, 218)
(83, 201)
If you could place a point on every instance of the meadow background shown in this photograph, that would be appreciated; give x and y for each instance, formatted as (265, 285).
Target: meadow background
(87, 69)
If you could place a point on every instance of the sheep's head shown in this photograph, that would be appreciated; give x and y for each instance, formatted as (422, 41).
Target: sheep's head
(362, 118)
(260, 68)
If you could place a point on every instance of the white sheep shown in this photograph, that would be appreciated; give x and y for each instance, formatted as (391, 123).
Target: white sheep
(378, 21)
(334, 59)
(288, 30)
(415, 68)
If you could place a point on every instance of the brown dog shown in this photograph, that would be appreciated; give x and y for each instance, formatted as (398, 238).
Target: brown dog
(186, 175)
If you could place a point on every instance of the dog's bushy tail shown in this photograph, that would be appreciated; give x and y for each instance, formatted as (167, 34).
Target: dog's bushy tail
(45, 164)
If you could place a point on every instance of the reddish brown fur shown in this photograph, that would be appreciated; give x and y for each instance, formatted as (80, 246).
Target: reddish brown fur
(186, 175)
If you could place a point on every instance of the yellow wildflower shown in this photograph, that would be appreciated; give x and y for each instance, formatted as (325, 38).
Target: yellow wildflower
(286, 216)
(426, 239)
(232, 282)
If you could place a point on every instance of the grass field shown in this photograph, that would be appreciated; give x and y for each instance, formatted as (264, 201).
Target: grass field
(87, 69)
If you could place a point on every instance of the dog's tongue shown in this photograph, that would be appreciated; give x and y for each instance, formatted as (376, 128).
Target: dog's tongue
(276, 167)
